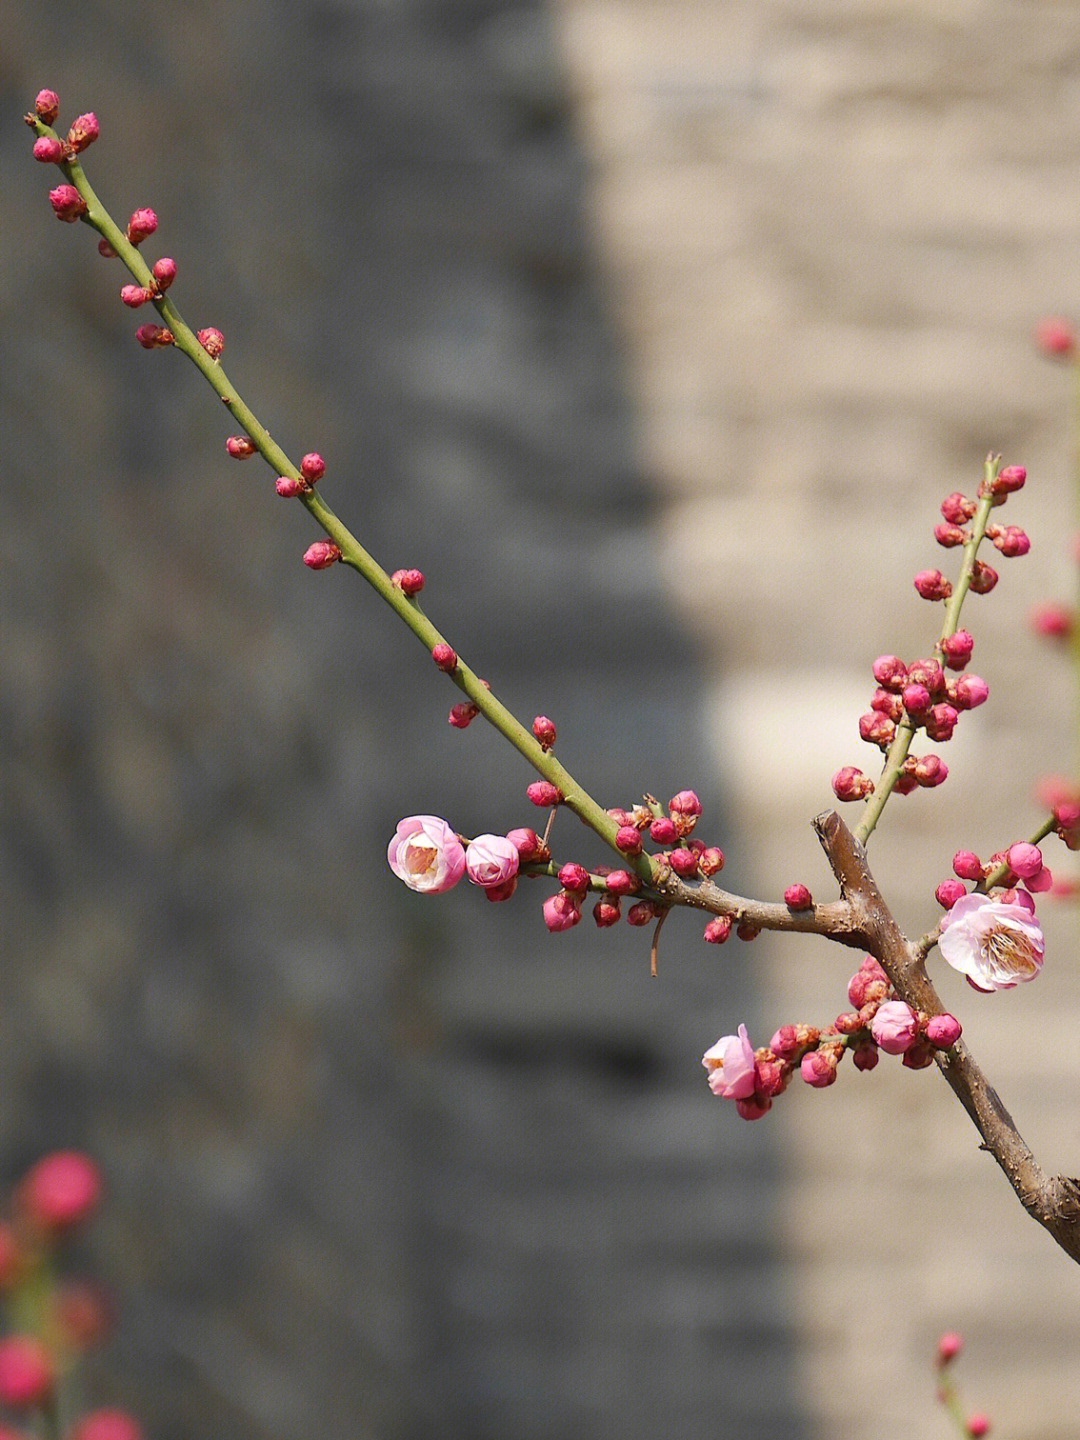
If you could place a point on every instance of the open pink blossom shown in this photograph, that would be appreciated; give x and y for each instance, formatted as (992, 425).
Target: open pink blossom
(426, 854)
(491, 860)
(730, 1063)
(994, 943)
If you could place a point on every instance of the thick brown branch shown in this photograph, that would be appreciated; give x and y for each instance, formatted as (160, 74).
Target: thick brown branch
(1054, 1201)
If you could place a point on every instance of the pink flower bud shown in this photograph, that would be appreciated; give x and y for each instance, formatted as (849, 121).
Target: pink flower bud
(928, 672)
(106, 250)
(851, 784)
(746, 931)
(949, 1346)
(1012, 541)
(141, 226)
(867, 984)
(1011, 478)
(949, 535)
(932, 585)
(574, 877)
(890, 672)
(943, 1031)
(321, 555)
(641, 913)
(895, 1027)
(60, 1192)
(68, 205)
(1052, 621)
(969, 692)
(491, 860)
(685, 803)
(876, 728)
(948, 892)
(287, 487)
(107, 1425)
(426, 854)
(753, 1107)
(711, 860)
(941, 722)
(313, 468)
(884, 703)
(561, 911)
(684, 863)
(798, 897)
(978, 1425)
(967, 865)
(956, 649)
(818, 1068)
(505, 891)
(864, 1057)
(718, 929)
(212, 341)
(135, 295)
(1055, 337)
(240, 446)
(930, 771)
(1041, 881)
(525, 841)
(151, 336)
(48, 150)
(445, 656)
(920, 1056)
(958, 509)
(983, 578)
(462, 714)
(663, 831)
(164, 272)
(544, 731)
(607, 911)
(409, 582)
(27, 1372)
(47, 106)
(917, 699)
(1025, 859)
(628, 839)
(84, 131)
(621, 882)
(543, 792)
(770, 1078)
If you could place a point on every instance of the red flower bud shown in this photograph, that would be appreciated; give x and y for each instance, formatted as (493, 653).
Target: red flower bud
(212, 341)
(84, 131)
(544, 730)
(141, 226)
(321, 555)
(47, 106)
(240, 446)
(68, 205)
(444, 656)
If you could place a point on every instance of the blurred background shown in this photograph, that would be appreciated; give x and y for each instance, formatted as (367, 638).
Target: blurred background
(654, 334)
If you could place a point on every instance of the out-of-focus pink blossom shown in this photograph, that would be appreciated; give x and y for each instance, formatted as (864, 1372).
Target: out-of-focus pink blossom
(895, 1027)
(730, 1063)
(994, 943)
(426, 854)
(491, 861)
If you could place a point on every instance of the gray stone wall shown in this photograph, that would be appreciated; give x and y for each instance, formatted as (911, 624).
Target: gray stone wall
(378, 1165)
(829, 229)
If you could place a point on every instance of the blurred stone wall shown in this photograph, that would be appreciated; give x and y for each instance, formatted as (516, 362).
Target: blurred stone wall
(378, 1165)
(830, 228)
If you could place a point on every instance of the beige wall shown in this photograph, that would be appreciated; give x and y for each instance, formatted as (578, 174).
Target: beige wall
(829, 228)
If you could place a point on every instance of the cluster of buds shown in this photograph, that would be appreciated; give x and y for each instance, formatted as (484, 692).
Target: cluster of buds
(50, 149)
(878, 1021)
(312, 468)
(59, 1319)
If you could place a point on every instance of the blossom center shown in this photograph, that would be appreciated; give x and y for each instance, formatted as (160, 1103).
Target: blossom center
(1010, 950)
(420, 859)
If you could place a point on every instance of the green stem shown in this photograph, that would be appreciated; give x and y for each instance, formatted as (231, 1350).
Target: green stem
(575, 796)
(905, 730)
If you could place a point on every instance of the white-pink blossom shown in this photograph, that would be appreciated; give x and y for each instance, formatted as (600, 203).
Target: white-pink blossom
(730, 1063)
(426, 854)
(491, 860)
(994, 943)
